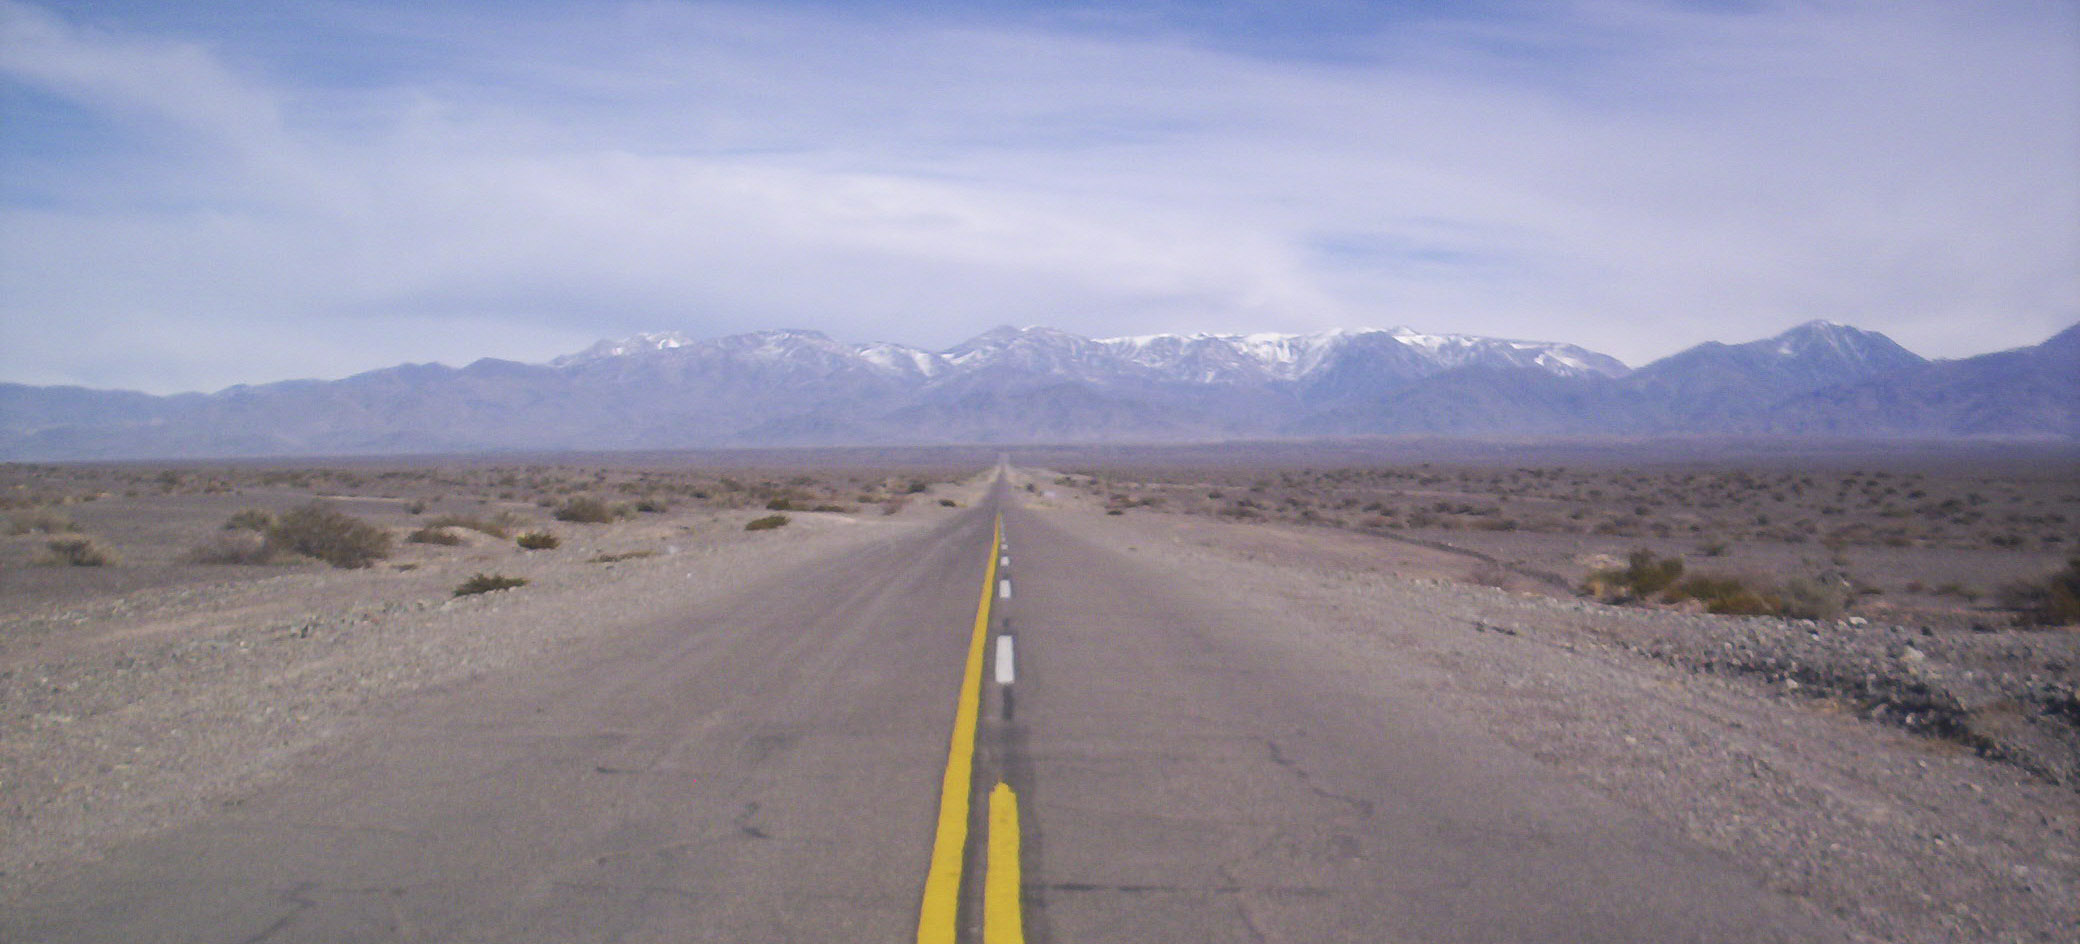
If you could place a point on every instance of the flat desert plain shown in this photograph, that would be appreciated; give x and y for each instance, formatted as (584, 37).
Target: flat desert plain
(1882, 727)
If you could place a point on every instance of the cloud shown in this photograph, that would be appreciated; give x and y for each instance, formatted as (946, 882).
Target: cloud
(394, 183)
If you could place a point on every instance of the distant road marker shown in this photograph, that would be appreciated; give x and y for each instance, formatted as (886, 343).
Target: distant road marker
(1004, 589)
(1006, 669)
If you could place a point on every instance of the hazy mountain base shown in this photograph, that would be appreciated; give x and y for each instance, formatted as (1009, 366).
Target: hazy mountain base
(1038, 385)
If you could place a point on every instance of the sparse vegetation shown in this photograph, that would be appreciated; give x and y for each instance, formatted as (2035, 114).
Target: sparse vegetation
(766, 523)
(79, 552)
(2052, 601)
(538, 541)
(1643, 576)
(487, 583)
(341, 540)
(586, 510)
(433, 534)
(257, 520)
(624, 555)
(232, 547)
(1813, 598)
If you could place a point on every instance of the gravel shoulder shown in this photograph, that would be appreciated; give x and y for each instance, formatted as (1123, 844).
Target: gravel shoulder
(130, 712)
(1823, 786)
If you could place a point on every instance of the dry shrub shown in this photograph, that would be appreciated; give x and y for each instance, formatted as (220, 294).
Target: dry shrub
(79, 552)
(256, 520)
(330, 536)
(1727, 596)
(1643, 576)
(232, 547)
(1813, 599)
(2052, 601)
(586, 510)
(624, 555)
(538, 541)
(486, 583)
(766, 523)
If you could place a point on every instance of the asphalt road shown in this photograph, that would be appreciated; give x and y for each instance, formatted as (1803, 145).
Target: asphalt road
(767, 767)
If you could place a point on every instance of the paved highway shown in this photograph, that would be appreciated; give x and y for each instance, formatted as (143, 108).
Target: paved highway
(787, 765)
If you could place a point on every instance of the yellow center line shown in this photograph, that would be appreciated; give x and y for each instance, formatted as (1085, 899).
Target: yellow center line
(938, 916)
(1002, 921)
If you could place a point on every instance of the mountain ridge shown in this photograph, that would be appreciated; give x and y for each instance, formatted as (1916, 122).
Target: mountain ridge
(799, 386)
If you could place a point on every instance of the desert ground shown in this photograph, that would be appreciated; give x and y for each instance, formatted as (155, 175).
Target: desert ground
(1895, 740)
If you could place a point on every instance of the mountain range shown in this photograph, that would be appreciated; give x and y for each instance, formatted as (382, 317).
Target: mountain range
(1037, 384)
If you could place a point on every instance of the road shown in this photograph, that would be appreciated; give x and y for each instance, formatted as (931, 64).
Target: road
(771, 767)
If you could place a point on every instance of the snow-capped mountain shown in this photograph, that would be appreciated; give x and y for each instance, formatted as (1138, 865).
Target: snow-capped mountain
(674, 390)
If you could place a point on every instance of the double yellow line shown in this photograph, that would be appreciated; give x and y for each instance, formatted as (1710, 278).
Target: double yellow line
(938, 918)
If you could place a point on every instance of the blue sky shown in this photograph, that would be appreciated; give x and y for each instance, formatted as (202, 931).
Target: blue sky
(198, 194)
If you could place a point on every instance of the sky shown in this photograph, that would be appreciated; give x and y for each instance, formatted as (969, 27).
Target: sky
(201, 193)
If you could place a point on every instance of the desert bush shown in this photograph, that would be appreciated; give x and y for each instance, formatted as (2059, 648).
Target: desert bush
(434, 534)
(79, 552)
(585, 510)
(486, 583)
(653, 506)
(779, 504)
(766, 523)
(624, 555)
(232, 547)
(948, 503)
(1727, 596)
(1813, 599)
(538, 541)
(330, 536)
(40, 520)
(1954, 589)
(2052, 601)
(257, 520)
(1643, 575)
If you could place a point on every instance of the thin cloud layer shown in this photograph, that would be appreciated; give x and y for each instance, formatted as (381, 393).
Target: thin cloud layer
(217, 197)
